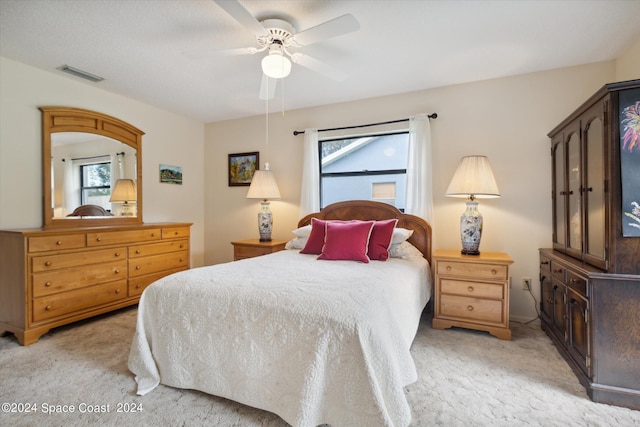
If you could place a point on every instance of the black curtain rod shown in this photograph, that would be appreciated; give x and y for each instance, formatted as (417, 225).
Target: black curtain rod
(96, 157)
(431, 116)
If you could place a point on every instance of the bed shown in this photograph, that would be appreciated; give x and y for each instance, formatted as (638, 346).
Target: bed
(313, 341)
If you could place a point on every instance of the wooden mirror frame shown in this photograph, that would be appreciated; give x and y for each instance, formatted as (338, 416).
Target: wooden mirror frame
(68, 119)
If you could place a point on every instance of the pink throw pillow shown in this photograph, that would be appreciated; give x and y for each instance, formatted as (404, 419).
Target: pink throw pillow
(316, 237)
(380, 240)
(347, 241)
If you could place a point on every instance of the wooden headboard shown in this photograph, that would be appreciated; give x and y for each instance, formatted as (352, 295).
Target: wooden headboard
(366, 210)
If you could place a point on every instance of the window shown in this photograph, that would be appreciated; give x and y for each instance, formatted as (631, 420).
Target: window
(95, 184)
(372, 167)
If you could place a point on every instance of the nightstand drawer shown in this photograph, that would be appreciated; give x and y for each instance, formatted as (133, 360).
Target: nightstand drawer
(474, 309)
(471, 269)
(250, 252)
(472, 289)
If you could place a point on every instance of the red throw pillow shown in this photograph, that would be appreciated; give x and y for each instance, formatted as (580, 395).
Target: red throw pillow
(380, 239)
(347, 241)
(316, 237)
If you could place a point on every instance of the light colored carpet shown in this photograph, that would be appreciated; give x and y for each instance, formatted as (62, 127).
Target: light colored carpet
(466, 378)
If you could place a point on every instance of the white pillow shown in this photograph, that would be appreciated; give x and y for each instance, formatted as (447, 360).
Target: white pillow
(404, 250)
(400, 235)
(302, 231)
(297, 243)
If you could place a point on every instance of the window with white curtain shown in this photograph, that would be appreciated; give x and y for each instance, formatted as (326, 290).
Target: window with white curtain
(95, 184)
(369, 167)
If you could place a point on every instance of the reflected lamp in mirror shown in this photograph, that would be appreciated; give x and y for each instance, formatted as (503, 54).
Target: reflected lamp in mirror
(124, 192)
(472, 180)
(263, 186)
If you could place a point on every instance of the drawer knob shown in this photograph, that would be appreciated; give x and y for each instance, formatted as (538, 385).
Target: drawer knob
(176, 233)
(181, 259)
(181, 245)
(138, 286)
(117, 253)
(138, 267)
(494, 271)
(153, 234)
(48, 284)
(48, 308)
(448, 268)
(48, 263)
(469, 308)
(59, 242)
(99, 239)
(557, 270)
(573, 281)
(544, 263)
(470, 288)
(137, 251)
(117, 291)
(117, 271)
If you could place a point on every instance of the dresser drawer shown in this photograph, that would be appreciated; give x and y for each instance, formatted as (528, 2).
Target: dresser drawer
(70, 302)
(80, 277)
(54, 262)
(57, 243)
(175, 232)
(139, 284)
(472, 289)
(158, 248)
(121, 237)
(472, 270)
(545, 264)
(577, 283)
(558, 272)
(473, 309)
(156, 263)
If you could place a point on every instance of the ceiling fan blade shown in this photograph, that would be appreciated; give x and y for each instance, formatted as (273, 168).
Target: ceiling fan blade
(319, 67)
(336, 27)
(242, 15)
(197, 54)
(267, 87)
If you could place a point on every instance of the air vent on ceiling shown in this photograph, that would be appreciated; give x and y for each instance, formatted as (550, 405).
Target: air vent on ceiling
(79, 73)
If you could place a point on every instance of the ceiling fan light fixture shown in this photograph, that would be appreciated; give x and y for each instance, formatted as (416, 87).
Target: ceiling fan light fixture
(276, 65)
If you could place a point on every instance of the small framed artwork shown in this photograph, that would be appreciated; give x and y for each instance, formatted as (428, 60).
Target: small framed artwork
(241, 168)
(630, 161)
(170, 174)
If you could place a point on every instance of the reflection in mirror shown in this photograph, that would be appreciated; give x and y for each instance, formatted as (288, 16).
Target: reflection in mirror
(86, 157)
(85, 169)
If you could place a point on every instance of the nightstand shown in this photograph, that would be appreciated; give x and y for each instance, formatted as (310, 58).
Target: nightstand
(472, 291)
(254, 247)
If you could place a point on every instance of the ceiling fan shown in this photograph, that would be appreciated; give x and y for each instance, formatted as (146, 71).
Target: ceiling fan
(278, 37)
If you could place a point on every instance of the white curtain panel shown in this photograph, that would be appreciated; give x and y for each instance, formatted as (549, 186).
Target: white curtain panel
(419, 169)
(310, 192)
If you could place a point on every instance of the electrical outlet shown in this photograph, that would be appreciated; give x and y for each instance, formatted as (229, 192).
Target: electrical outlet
(526, 283)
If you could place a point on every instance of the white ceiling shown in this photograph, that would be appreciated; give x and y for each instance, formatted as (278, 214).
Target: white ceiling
(138, 46)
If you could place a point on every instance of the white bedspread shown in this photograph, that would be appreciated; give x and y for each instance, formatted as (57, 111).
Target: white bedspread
(312, 341)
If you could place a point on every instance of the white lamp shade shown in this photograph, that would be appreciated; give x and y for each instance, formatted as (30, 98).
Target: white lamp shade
(276, 65)
(263, 186)
(473, 179)
(124, 191)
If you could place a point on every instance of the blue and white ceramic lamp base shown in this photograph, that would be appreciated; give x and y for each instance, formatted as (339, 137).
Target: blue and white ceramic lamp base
(471, 229)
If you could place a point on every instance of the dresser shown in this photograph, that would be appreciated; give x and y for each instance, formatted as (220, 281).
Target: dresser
(54, 276)
(590, 277)
(254, 247)
(472, 291)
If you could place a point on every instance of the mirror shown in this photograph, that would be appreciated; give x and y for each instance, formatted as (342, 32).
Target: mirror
(90, 160)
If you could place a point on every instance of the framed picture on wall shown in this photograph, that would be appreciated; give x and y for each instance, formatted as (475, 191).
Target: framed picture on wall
(170, 174)
(630, 161)
(241, 168)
